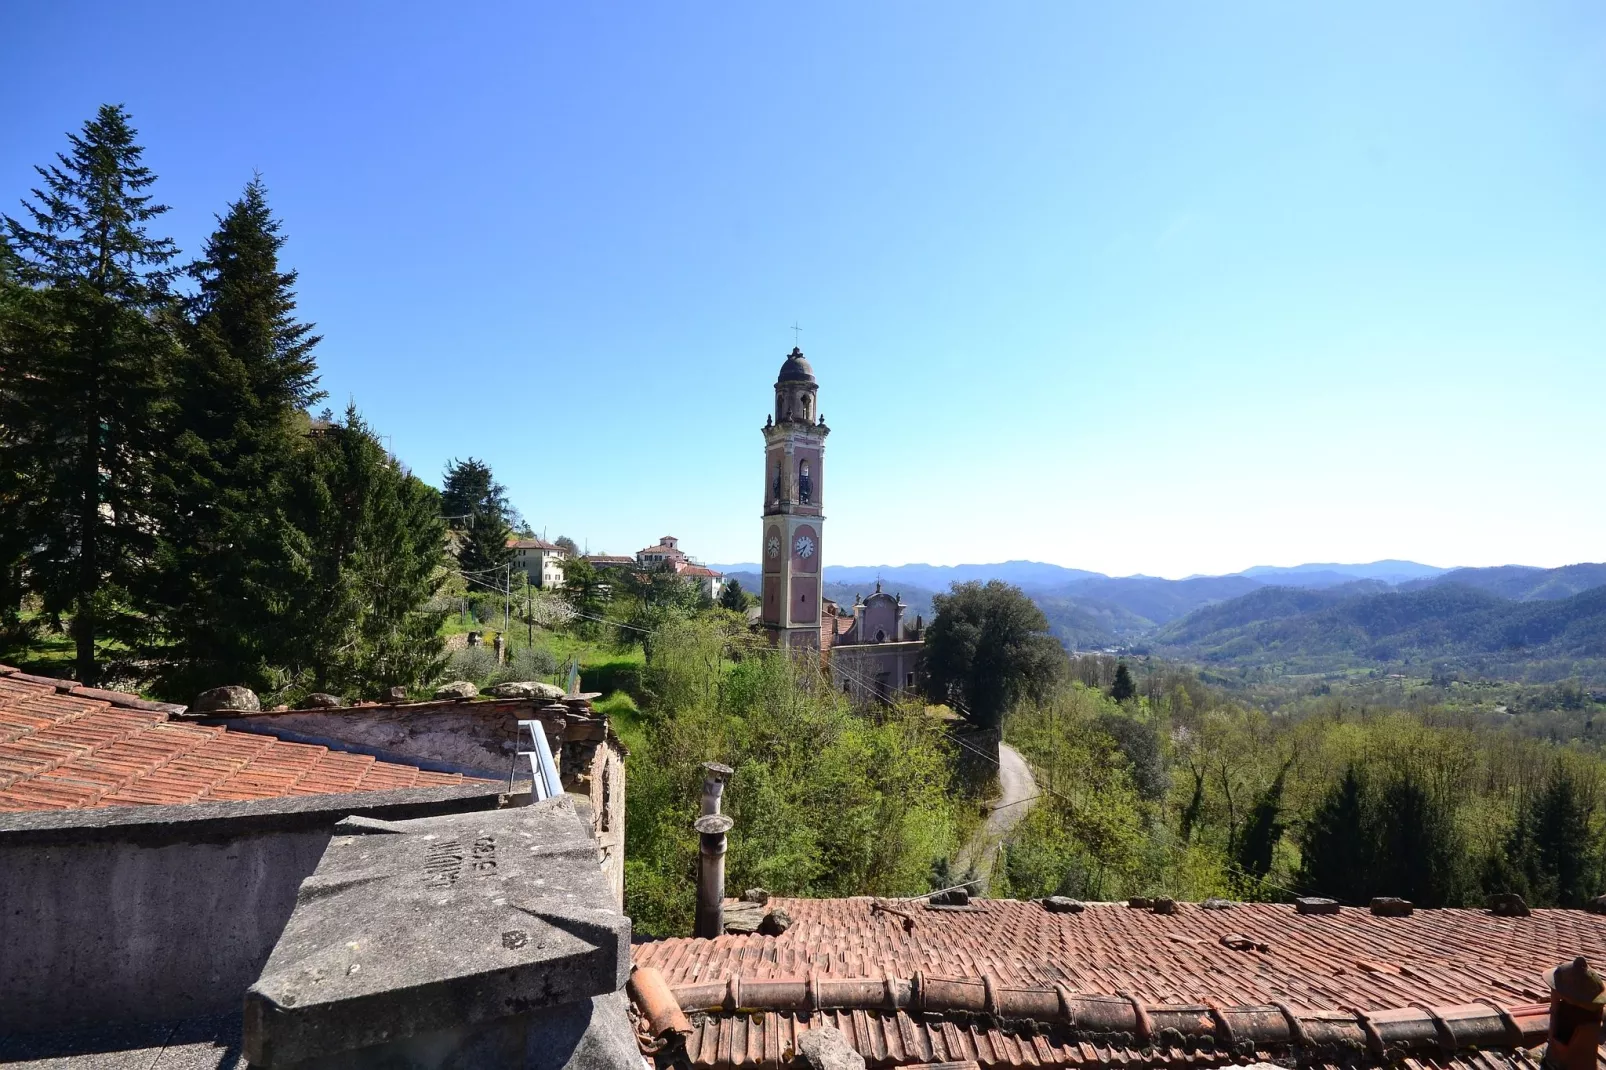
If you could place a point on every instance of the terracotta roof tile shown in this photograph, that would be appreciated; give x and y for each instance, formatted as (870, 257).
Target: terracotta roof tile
(63, 750)
(1442, 958)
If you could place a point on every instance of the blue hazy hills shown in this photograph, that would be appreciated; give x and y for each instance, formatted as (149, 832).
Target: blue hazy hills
(1310, 617)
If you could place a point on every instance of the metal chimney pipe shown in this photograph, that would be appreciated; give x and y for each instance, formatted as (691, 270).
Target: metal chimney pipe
(714, 777)
(711, 875)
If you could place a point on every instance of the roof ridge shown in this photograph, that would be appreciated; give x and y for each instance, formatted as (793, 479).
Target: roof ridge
(121, 699)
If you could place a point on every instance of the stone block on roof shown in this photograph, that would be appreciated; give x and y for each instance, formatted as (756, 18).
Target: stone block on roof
(442, 923)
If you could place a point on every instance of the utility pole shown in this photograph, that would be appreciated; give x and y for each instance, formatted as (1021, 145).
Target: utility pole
(507, 600)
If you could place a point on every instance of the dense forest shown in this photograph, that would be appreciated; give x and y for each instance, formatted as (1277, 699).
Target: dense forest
(1181, 791)
(166, 501)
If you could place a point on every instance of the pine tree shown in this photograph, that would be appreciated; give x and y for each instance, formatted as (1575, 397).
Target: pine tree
(1122, 688)
(1336, 845)
(15, 491)
(84, 396)
(731, 596)
(370, 548)
(1550, 854)
(475, 506)
(469, 488)
(218, 594)
(1263, 830)
(484, 546)
(1420, 855)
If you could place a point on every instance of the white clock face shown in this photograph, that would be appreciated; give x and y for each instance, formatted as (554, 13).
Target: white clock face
(804, 546)
(773, 546)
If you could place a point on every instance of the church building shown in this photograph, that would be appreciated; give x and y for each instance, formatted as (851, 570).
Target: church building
(871, 652)
(794, 471)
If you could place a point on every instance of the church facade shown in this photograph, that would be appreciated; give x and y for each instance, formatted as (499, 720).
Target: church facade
(871, 652)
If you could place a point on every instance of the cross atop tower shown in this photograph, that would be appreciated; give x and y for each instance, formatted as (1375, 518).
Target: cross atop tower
(796, 333)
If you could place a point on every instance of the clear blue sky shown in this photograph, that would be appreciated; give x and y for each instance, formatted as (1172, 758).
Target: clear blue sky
(1137, 288)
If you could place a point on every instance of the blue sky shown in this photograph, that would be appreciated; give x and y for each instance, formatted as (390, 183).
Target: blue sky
(1132, 287)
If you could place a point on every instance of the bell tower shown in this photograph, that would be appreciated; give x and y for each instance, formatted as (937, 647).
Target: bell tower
(794, 481)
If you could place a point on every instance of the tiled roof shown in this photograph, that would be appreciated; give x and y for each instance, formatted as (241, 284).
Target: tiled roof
(686, 569)
(64, 747)
(1442, 958)
(532, 544)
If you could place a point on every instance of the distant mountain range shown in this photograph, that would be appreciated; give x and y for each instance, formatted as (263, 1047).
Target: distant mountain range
(1304, 618)
(1544, 633)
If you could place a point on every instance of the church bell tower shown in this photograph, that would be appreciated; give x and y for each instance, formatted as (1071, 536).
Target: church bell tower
(794, 479)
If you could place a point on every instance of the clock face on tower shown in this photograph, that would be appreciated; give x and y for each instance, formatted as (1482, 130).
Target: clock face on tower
(804, 547)
(773, 547)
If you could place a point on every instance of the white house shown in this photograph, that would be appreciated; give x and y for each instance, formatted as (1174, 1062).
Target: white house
(540, 560)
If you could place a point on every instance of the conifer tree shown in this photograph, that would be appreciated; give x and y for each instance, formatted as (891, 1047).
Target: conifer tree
(1122, 688)
(484, 545)
(371, 553)
(475, 506)
(217, 596)
(1420, 855)
(15, 493)
(1551, 858)
(1263, 830)
(84, 389)
(1336, 848)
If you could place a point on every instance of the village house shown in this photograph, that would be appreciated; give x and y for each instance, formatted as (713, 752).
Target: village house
(540, 560)
(668, 553)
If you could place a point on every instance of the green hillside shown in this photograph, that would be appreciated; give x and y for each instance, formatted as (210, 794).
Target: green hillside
(1294, 631)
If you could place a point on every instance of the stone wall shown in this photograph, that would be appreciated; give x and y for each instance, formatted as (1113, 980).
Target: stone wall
(151, 913)
(477, 738)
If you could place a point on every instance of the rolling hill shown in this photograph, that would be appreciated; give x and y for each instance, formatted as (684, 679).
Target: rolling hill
(1511, 621)
(1294, 630)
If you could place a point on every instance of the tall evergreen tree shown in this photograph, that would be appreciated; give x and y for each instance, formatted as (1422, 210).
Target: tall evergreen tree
(1336, 848)
(218, 596)
(483, 545)
(15, 492)
(1264, 829)
(85, 387)
(475, 506)
(1123, 688)
(1420, 855)
(1551, 857)
(469, 488)
(371, 556)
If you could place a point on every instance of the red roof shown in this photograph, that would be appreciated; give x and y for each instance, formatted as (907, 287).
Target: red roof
(533, 544)
(64, 747)
(1442, 958)
(684, 569)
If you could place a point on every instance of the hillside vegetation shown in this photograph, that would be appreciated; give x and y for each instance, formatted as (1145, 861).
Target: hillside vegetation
(1300, 631)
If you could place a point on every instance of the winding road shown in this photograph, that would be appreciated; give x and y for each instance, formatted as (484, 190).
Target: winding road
(1017, 790)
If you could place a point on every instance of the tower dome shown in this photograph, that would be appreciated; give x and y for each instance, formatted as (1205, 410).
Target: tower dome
(796, 369)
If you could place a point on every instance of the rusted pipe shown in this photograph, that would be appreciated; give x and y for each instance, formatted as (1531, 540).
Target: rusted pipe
(714, 777)
(711, 828)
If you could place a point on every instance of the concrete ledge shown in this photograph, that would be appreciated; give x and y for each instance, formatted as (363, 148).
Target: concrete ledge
(213, 822)
(445, 931)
